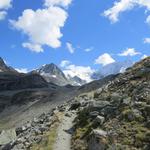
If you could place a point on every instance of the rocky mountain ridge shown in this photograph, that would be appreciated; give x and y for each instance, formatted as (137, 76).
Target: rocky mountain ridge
(118, 117)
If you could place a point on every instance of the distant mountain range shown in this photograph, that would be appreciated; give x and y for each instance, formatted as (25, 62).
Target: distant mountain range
(53, 74)
(113, 68)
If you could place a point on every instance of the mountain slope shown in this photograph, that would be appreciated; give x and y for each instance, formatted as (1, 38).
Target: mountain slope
(118, 117)
(5, 68)
(10, 79)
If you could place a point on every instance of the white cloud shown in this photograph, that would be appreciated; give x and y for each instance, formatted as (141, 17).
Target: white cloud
(43, 26)
(33, 47)
(64, 63)
(4, 5)
(124, 5)
(147, 40)
(148, 20)
(104, 59)
(144, 56)
(22, 70)
(129, 52)
(63, 3)
(89, 49)
(71, 70)
(81, 71)
(3, 15)
(70, 47)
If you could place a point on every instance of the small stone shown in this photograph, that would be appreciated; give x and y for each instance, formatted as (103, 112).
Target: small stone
(100, 119)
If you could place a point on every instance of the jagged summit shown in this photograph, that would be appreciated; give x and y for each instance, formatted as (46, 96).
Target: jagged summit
(51, 69)
(52, 73)
(5, 68)
(1, 60)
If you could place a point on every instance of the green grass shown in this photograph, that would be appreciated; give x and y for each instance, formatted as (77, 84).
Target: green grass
(48, 140)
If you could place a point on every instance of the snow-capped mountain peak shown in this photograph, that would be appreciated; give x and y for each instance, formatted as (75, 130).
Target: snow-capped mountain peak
(113, 68)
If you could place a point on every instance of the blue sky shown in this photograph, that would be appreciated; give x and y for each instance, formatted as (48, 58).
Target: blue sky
(102, 27)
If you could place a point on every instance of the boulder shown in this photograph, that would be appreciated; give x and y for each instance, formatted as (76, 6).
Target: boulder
(75, 105)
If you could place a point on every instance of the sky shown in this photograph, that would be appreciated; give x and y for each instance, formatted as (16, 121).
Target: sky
(78, 36)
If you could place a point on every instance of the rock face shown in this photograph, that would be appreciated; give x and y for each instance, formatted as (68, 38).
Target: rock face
(118, 116)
